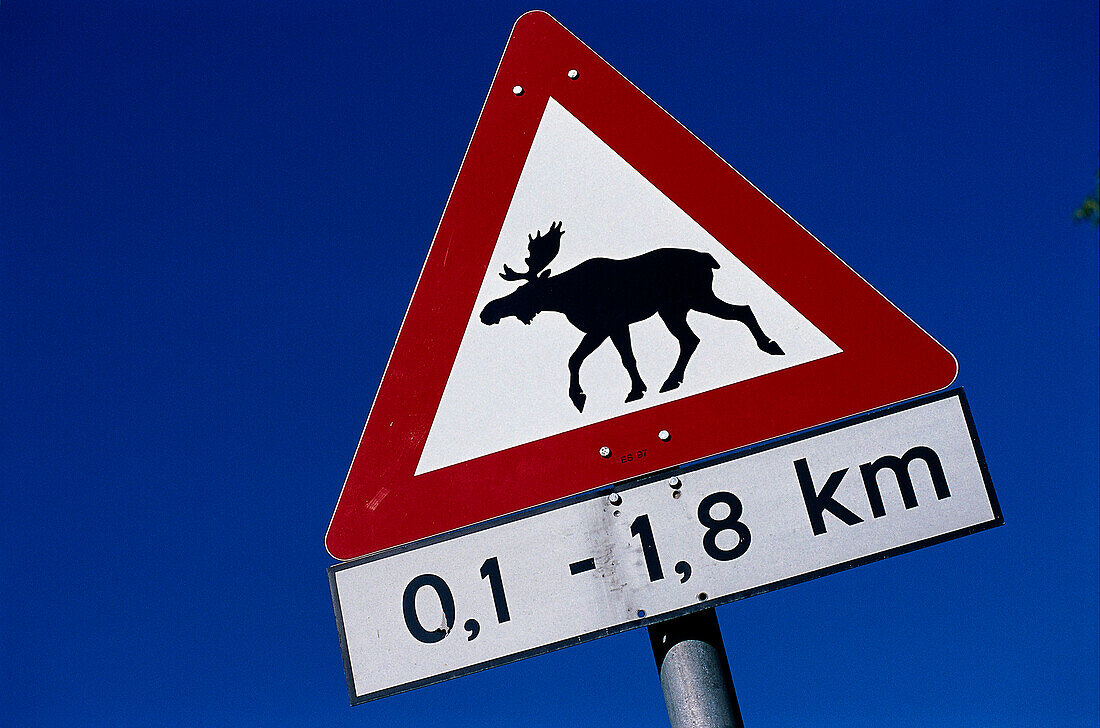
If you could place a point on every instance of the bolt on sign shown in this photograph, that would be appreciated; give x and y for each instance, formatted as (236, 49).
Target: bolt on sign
(604, 301)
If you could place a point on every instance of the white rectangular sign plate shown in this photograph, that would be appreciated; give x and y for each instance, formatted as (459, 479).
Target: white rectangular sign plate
(647, 550)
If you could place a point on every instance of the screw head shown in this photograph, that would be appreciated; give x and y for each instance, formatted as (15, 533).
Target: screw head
(605, 452)
(573, 73)
(673, 482)
(664, 436)
(615, 499)
(517, 90)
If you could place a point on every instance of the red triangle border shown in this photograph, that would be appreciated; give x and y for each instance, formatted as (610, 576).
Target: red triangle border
(886, 358)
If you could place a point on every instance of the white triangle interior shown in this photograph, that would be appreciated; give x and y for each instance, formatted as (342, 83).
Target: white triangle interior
(509, 382)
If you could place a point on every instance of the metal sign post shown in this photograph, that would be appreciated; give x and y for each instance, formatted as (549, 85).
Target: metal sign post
(695, 673)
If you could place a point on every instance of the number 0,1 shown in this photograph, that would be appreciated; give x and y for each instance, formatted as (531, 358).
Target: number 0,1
(491, 570)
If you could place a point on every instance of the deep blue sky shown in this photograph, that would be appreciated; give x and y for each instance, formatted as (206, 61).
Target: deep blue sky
(212, 217)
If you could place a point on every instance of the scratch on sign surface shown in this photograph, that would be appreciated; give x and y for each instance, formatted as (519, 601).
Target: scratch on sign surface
(378, 497)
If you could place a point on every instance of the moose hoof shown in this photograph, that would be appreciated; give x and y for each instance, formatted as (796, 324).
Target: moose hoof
(771, 347)
(670, 385)
(635, 394)
(578, 399)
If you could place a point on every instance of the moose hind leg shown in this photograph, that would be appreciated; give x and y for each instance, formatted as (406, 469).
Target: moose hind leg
(678, 326)
(588, 344)
(717, 307)
(621, 340)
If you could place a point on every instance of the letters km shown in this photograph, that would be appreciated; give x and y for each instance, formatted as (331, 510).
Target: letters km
(819, 501)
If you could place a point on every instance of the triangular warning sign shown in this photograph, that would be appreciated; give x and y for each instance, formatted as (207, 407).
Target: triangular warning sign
(509, 384)
(675, 312)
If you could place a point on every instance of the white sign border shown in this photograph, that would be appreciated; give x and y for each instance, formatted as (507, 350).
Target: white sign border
(622, 486)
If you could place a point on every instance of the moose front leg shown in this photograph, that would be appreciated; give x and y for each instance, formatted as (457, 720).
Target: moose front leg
(621, 340)
(588, 344)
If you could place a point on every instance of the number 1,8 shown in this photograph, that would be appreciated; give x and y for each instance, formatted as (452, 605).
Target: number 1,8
(641, 528)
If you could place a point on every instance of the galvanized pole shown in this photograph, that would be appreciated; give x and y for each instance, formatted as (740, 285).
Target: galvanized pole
(695, 673)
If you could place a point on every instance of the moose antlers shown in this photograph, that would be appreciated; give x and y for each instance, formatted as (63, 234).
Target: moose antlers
(541, 250)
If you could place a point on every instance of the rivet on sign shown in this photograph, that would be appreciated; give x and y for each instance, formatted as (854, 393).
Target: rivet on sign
(573, 73)
(664, 436)
(674, 482)
(641, 612)
(517, 90)
(605, 452)
(614, 499)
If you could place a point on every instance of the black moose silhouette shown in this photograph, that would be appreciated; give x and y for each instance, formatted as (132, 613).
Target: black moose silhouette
(602, 297)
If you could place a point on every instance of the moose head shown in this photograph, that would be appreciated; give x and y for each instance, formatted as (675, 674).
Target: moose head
(527, 300)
